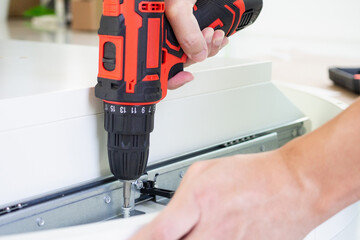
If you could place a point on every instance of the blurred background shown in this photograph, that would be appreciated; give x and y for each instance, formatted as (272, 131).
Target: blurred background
(302, 38)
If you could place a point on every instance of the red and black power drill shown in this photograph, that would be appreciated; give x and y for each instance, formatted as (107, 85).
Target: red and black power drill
(138, 54)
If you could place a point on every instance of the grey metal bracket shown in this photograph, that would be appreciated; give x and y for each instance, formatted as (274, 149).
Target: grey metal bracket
(101, 200)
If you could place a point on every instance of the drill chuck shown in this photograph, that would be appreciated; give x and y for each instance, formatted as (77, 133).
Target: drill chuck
(129, 129)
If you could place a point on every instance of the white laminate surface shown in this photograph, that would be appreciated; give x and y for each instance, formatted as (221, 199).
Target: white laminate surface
(32, 68)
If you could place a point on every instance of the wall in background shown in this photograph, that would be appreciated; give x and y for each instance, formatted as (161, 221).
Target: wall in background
(323, 19)
(4, 5)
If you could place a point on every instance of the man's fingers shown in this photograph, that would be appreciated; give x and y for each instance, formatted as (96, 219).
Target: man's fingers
(211, 38)
(174, 222)
(208, 34)
(169, 225)
(181, 215)
(179, 80)
(189, 62)
(225, 42)
(216, 42)
(186, 28)
(200, 232)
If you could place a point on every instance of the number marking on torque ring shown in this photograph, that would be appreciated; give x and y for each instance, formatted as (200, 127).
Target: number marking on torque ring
(122, 110)
(133, 110)
(112, 108)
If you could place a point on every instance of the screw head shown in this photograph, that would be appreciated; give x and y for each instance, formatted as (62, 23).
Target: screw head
(8, 209)
(302, 131)
(40, 222)
(181, 174)
(107, 199)
(262, 148)
(139, 184)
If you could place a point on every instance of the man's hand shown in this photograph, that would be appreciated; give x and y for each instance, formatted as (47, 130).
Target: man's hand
(197, 45)
(239, 197)
(276, 195)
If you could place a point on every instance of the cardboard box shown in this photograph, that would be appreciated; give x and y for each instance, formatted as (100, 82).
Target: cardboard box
(86, 14)
(18, 7)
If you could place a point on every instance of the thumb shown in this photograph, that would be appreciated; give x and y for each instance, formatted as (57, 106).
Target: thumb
(175, 221)
(186, 28)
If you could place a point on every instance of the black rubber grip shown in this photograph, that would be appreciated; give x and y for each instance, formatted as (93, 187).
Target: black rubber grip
(227, 15)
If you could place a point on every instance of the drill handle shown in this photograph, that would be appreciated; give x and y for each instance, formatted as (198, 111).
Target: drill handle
(227, 15)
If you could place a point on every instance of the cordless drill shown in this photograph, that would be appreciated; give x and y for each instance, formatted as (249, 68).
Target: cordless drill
(138, 54)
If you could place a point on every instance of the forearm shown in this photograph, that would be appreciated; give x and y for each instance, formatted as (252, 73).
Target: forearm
(327, 163)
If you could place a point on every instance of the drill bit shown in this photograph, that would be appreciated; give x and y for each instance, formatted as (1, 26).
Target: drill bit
(126, 194)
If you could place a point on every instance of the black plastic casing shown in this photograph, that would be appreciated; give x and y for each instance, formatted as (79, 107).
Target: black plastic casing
(345, 77)
(129, 129)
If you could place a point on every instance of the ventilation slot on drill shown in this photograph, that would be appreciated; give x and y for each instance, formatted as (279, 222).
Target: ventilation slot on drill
(245, 19)
(117, 140)
(114, 86)
(135, 141)
(153, 7)
(125, 158)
